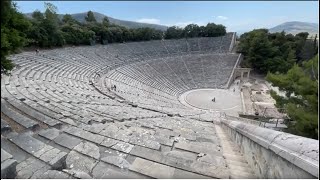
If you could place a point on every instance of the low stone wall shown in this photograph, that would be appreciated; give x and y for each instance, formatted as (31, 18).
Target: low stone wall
(274, 154)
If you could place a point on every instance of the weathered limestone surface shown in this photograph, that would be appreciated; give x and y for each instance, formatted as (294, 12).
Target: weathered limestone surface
(8, 165)
(67, 141)
(79, 162)
(88, 149)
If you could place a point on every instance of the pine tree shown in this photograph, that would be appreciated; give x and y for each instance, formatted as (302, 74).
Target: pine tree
(90, 17)
(301, 102)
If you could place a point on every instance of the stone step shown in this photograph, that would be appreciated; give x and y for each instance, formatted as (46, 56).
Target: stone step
(234, 157)
(31, 168)
(54, 157)
(85, 135)
(198, 167)
(35, 114)
(5, 126)
(152, 169)
(17, 117)
(237, 163)
(246, 169)
(235, 174)
(8, 165)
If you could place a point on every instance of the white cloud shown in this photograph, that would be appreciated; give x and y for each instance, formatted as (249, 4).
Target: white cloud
(222, 17)
(184, 24)
(149, 20)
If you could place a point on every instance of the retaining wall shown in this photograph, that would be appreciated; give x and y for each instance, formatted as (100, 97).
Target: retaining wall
(274, 154)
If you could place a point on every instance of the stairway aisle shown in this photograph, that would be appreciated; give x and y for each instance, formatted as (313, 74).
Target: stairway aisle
(236, 162)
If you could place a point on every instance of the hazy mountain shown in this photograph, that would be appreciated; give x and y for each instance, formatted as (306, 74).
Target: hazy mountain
(99, 17)
(295, 27)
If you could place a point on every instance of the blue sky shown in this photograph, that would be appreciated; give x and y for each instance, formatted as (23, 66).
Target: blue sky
(237, 16)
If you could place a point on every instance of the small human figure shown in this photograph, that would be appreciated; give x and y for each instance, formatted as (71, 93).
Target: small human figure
(237, 82)
(115, 87)
(234, 89)
(37, 51)
(214, 99)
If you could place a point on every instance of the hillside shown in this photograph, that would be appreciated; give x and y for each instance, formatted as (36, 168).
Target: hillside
(295, 27)
(129, 24)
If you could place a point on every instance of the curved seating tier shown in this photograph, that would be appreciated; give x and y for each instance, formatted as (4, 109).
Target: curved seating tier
(59, 118)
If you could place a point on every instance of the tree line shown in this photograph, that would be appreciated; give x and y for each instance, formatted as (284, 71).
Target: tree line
(275, 52)
(48, 30)
(289, 62)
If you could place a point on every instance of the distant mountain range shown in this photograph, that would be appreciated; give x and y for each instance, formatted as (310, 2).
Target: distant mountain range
(99, 17)
(294, 27)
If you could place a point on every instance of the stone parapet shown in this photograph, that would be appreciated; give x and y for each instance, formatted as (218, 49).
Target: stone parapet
(274, 154)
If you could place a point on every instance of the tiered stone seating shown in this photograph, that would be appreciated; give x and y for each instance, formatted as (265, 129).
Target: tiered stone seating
(60, 119)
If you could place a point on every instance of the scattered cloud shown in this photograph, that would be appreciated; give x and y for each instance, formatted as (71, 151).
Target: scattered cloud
(184, 24)
(222, 17)
(149, 20)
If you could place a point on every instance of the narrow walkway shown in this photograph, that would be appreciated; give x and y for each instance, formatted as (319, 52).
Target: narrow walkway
(236, 162)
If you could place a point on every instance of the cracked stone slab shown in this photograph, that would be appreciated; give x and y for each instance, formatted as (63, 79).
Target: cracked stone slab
(67, 141)
(108, 142)
(152, 169)
(164, 140)
(85, 135)
(45, 149)
(77, 174)
(183, 155)
(117, 161)
(88, 149)
(30, 166)
(123, 147)
(53, 174)
(27, 143)
(49, 133)
(142, 140)
(215, 160)
(59, 160)
(103, 171)
(51, 155)
(96, 128)
(77, 161)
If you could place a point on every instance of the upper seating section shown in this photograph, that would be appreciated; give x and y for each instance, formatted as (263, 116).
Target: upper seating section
(160, 69)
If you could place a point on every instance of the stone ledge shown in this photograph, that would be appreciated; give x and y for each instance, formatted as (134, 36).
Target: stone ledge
(300, 151)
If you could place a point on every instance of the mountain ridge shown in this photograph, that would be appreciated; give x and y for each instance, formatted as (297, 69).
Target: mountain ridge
(99, 17)
(294, 27)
